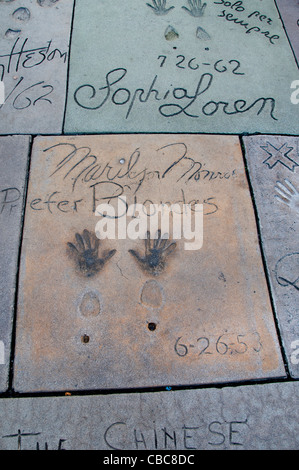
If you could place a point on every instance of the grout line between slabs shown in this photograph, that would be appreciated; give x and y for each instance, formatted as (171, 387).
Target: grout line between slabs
(13, 337)
(68, 67)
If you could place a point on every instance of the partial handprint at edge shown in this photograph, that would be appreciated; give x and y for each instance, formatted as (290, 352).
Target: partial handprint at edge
(287, 194)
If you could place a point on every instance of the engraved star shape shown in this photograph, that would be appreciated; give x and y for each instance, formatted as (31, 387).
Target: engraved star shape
(279, 155)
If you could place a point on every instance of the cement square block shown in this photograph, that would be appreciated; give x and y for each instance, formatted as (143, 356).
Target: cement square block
(14, 151)
(289, 11)
(208, 67)
(34, 47)
(258, 417)
(273, 164)
(128, 312)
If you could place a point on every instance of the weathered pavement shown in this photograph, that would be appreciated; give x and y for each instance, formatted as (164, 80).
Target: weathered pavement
(142, 344)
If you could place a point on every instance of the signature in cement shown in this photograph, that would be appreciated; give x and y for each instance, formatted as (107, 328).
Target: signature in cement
(287, 271)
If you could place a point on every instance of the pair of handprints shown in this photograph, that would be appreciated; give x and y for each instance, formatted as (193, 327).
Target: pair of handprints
(85, 252)
(196, 8)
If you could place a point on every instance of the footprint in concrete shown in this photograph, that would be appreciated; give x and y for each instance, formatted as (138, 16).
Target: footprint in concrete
(171, 34)
(21, 14)
(90, 305)
(12, 33)
(202, 34)
(47, 3)
(152, 294)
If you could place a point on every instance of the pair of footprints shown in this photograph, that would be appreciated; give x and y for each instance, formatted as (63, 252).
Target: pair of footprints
(22, 15)
(85, 254)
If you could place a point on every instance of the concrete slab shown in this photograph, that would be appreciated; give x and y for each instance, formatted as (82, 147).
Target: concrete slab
(210, 69)
(289, 11)
(34, 43)
(262, 417)
(273, 163)
(105, 314)
(14, 151)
